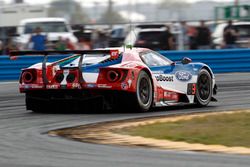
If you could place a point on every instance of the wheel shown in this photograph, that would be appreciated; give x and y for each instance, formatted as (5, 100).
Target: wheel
(204, 88)
(144, 92)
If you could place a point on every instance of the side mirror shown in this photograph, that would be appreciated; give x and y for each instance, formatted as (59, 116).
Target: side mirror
(186, 60)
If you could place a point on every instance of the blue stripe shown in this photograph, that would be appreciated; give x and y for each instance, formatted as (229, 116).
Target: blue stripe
(95, 68)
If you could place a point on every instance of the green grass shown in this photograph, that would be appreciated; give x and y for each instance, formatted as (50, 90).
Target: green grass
(224, 129)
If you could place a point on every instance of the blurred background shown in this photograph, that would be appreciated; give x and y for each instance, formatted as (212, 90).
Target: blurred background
(90, 24)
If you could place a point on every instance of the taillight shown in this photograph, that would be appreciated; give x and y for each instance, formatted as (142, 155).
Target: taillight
(28, 76)
(113, 76)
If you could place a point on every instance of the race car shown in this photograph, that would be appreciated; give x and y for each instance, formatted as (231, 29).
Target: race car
(135, 79)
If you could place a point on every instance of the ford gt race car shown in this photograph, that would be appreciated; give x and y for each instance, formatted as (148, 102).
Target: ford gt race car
(134, 79)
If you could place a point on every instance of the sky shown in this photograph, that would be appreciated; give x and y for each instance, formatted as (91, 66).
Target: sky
(87, 2)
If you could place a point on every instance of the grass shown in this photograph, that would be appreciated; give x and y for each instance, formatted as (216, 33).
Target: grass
(225, 129)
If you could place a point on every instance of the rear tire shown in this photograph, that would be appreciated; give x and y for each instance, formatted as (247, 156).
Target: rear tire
(144, 92)
(140, 101)
(204, 88)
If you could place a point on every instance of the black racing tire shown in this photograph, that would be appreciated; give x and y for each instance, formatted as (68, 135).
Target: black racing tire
(144, 92)
(203, 88)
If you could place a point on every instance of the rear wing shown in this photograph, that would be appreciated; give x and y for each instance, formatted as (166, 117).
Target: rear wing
(113, 55)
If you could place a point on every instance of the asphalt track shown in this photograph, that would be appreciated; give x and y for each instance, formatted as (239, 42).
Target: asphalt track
(24, 141)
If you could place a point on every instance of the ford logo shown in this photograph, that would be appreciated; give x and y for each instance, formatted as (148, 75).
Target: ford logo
(183, 76)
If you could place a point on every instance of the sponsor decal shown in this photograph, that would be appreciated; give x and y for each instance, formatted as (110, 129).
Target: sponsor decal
(157, 72)
(76, 85)
(114, 54)
(91, 85)
(104, 86)
(129, 83)
(183, 76)
(165, 78)
(124, 86)
(170, 95)
(52, 86)
(32, 86)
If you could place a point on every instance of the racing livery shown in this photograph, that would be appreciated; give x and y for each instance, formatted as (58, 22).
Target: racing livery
(133, 79)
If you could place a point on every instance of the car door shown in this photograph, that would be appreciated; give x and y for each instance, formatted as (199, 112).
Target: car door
(169, 75)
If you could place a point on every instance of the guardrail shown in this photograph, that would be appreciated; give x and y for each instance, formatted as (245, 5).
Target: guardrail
(221, 61)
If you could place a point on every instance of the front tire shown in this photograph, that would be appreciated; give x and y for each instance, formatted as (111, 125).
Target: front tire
(204, 88)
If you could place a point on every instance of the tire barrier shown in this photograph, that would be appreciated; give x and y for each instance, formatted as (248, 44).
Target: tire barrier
(221, 61)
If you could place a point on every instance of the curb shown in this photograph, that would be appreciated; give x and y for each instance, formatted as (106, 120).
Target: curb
(104, 133)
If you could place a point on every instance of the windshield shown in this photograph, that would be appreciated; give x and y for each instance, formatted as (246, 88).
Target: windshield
(152, 59)
(46, 27)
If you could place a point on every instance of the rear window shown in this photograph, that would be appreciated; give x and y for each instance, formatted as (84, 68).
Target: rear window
(150, 36)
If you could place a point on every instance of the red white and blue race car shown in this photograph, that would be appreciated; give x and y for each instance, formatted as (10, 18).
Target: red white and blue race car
(133, 79)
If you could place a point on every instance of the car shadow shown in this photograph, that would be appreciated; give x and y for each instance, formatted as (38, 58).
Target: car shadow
(95, 110)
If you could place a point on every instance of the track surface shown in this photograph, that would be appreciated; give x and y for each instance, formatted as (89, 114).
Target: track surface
(24, 142)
